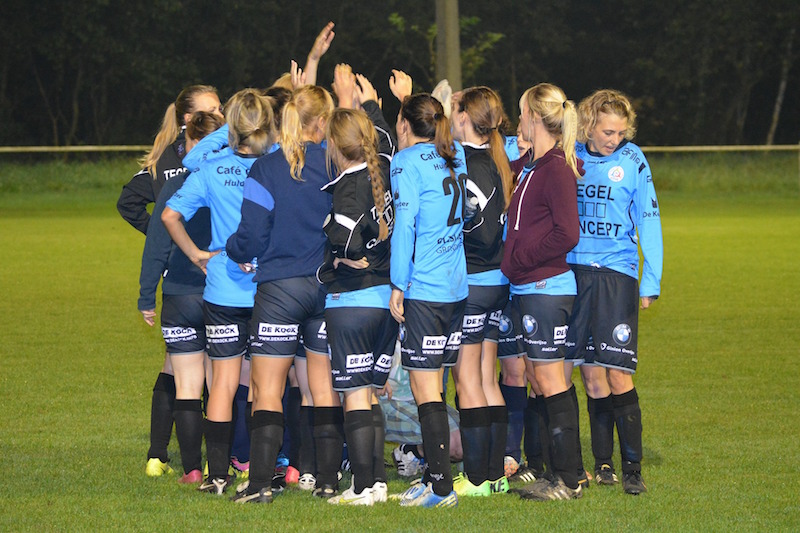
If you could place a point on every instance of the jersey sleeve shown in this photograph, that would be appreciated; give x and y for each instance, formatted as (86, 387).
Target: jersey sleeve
(206, 148)
(252, 237)
(406, 205)
(480, 187)
(190, 197)
(647, 215)
(387, 146)
(134, 199)
(347, 221)
(157, 248)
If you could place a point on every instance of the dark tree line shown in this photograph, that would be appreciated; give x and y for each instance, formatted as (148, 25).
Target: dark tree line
(103, 71)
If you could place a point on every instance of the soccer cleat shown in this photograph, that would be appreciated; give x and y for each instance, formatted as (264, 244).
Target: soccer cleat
(307, 482)
(325, 492)
(351, 497)
(605, 475)
(416, 488)
(632, 483)
(231, 470)
(545, 490)
(217, 485)
(278, 483)
(499, 486)
(262, 496)
(408, 464)
(584, 478)
(156, 467)
(292, 475)
(240, 470)
(195, 476)
(525, 474)
(380, 492)
(428, 498)
(510, 466)
(464, 487)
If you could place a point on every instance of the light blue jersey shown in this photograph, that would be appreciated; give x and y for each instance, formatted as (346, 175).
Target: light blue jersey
(218, 184)
(212, 147)
(512, 148)
(619, 213)
(428, 261)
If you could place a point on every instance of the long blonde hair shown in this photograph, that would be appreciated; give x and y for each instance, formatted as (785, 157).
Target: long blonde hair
(485, 110)
(171, 124)
(610, 102)
(559, 117)
(250, 121)
(351, 137)
(300, 115)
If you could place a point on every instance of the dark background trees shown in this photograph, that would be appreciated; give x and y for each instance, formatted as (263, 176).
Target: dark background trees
(103, 71)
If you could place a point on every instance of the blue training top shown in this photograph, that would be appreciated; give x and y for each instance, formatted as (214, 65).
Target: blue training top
(617, 201)
(219, 185)
(428, 261)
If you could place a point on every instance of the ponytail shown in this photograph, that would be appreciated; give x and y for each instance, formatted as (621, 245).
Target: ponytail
(569, 133)
(443, 141)
(376, 181)
(170, 128)
(300, 116)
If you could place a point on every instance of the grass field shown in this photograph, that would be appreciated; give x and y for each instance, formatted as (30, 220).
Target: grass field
(717, 378)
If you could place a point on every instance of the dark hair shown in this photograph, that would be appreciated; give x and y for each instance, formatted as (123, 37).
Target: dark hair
(425, 116)
(202, 123)
(279, 95)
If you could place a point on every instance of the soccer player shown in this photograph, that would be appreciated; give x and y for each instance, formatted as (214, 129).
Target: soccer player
(182, 311)
(477, 113)
(228, 296)
(428, 272)
(542, 228)
(164, 161)
(361, 331)
(619, 217)
(280, 238)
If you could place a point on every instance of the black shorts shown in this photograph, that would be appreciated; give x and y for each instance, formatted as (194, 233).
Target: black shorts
(509, 341)
(542, 319)
(482, 314)
(284, 310)
(604, 325)
(226, 330)
(431, 335)
(362, 341)
(182, 323)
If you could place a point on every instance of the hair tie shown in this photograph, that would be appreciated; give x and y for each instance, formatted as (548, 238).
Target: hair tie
(437, 116)
(564, 104)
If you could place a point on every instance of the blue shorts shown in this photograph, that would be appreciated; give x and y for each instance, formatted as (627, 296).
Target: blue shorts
(226, 330)
(284, 310)
(431, 335)
(603, 329)
(482, 314)
(182, 323)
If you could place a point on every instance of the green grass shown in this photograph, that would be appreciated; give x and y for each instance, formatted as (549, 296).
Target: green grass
(717, 379)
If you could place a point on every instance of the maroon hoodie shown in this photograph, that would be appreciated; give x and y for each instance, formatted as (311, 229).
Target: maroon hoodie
(542, 221)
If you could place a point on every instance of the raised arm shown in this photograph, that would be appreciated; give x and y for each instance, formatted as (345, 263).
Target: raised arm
(321, 45)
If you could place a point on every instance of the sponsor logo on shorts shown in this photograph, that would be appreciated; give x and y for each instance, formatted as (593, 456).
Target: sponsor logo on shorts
(178, 334)
(277, 332)
(505, 326)
(384, 363)
(541, 285)
(560, 334)
(616, 174)
(454, 341)
(358, 362)
(494, 318)
(322, 333)
(608, 348)
(622, 334)
(529, 325)
(433, 344)
(223, 333)
(401, 332)
(474, 323)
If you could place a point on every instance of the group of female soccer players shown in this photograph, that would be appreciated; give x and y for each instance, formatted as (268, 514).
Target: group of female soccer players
(324, 239)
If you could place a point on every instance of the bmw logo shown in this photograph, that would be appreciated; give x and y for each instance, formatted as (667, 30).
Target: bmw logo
(530, 325)
(505, 326)
(401, 333)
(622, 334)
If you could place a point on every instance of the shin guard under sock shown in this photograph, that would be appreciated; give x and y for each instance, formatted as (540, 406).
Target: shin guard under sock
(291, 418)
(328, 443)
(436, 443)
(218, 440)
(161, 407)
(561, 429)
(189, 430)
(601, 422)
(573, 396)
(360, 437)
(306, 456)
(475, 427)
(266, 437)
(628, 417)
(516, 399)
(498, 434)
(533, 439)
(240, 443)
(378, 428)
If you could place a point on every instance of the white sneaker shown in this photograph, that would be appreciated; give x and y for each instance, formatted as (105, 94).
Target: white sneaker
(380, 492)
(351, 497)
(307, 482)
(408, 464)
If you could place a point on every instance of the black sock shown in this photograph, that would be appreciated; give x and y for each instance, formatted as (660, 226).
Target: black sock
(292, 420)
(573, 395)
(436, 442)
(265, 440)
(628, 417)
(218, 441)
(378, 428)
(475, 427)
(240, 439)
(189, 430)
(328, 443)
(533, 440)
(413, 448)
(561, 430)
(161, 406)
(601, 422)
(306, 456)
(498, 435)
(360, 437)
(515, 398)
